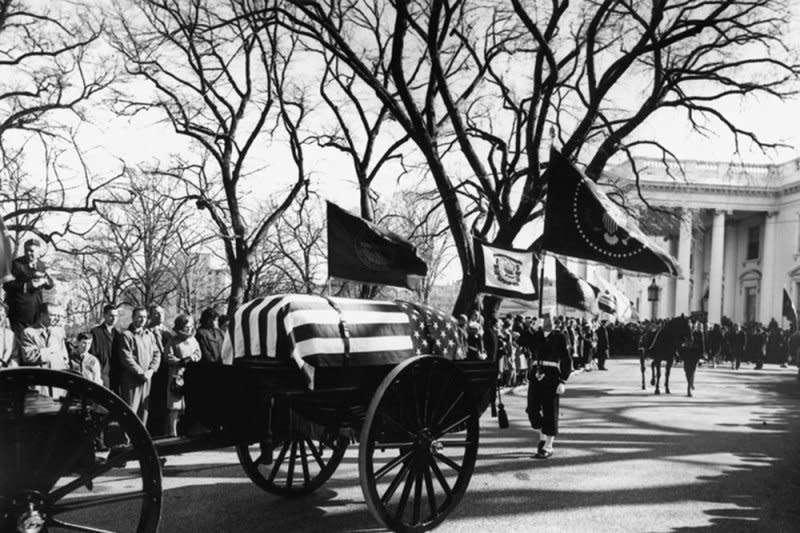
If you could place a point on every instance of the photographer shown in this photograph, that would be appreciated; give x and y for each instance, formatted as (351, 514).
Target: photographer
(24, 292)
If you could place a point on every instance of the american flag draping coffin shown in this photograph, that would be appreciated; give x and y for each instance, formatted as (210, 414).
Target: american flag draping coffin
(317, 331)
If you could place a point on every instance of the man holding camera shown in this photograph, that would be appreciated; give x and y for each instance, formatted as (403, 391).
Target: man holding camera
(24, 293)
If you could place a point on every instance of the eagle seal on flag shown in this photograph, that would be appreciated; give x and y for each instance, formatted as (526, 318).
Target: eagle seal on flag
(581, 221)
(507, 269)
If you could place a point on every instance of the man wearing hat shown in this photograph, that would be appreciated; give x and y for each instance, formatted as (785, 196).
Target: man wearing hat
(551, 366)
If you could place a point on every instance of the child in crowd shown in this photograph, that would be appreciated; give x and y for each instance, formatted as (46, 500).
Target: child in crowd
(85, 363)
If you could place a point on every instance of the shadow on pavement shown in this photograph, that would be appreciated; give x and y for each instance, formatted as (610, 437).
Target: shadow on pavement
(759, 493)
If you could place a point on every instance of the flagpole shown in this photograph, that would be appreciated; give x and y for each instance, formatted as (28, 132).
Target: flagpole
(541, 285)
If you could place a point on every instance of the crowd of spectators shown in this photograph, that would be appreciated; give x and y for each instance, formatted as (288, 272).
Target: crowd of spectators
(592, 341)
(144, 363)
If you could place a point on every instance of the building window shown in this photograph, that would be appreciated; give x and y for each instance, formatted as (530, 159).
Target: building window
(753, 242)
(749, 304)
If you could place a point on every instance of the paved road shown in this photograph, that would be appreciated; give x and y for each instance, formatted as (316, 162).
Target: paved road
(725, 460)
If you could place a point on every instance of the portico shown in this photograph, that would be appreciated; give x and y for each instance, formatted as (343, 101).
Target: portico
(736, 238)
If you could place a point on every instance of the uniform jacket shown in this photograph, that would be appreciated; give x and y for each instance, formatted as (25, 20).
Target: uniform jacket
(550, 348)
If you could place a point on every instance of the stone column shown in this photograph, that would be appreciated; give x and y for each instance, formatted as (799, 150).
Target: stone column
(684, 254)
(715, 268)
(731, 280)
(766, 309)
(698, 271)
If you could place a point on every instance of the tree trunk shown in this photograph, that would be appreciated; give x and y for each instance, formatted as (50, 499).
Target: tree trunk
(239, 272)
(467, 295)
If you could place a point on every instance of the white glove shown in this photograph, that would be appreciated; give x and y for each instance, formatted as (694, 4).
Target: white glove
(561, 389)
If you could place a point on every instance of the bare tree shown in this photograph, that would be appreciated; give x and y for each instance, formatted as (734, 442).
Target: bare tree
(140, 253)
(223, 81)
(512, 79)
(50, 68)
(419, 216)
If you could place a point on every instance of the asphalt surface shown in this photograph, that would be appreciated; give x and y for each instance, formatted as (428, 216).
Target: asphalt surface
(725, 460)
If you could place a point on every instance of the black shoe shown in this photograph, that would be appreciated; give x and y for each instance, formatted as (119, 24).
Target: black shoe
(540, 448)
(604, 368)
(544, 454)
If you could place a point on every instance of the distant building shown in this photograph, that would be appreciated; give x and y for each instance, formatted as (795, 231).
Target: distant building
(737, 239)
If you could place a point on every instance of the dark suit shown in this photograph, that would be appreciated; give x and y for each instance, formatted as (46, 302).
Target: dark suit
(603, 346)
(22, 298)
(104, 344)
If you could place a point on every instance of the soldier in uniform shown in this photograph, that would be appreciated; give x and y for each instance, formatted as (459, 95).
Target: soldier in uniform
(551, 366)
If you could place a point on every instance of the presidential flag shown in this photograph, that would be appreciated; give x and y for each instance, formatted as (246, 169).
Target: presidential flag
(580, 221)
(789, 311)
(361, 251)
(319, 331)
(573, 291)
(6, 254)
(506, 271)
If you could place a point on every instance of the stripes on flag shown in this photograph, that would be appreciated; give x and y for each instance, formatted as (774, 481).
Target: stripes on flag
(306, 329)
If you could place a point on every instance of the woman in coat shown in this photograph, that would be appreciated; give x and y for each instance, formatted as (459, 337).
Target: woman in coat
(183, 349)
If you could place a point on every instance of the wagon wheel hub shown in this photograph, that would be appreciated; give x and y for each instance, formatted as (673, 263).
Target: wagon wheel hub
(426, 441)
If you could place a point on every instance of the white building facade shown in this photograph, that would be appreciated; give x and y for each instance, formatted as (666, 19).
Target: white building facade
(737, 239)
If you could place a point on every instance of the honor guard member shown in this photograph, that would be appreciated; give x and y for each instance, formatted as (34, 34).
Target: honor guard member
(551, 365)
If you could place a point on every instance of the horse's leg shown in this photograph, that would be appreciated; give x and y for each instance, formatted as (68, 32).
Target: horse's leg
(642, 366)
(666, 376)
(653, 365)
(657, 375)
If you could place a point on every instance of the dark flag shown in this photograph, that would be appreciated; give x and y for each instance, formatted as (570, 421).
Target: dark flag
(506, 271)
(361, 251)
(789, 312)
(580, 221)
(573, 291)
(6, 254)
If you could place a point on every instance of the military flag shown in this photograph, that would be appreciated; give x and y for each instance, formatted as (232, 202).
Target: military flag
(789, 311)
(580, 221)
(506, 272)
(573, 291)
(361, 251)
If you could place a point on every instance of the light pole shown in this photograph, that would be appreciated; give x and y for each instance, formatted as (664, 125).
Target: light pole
(652, 297)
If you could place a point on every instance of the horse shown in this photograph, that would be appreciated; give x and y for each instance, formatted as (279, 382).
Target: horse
(663, 347)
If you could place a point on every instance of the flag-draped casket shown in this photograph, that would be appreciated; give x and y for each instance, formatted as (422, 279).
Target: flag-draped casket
(321, 332)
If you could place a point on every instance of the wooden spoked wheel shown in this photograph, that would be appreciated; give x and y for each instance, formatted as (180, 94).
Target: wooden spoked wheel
(418, 444)
(54, 478)
(296, 465)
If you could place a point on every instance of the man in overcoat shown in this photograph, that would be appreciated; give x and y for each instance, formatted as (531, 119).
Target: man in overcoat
(139, 359)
